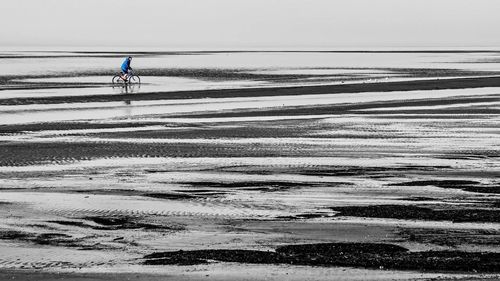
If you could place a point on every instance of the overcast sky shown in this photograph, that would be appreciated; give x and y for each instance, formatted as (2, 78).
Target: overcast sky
(250, 23)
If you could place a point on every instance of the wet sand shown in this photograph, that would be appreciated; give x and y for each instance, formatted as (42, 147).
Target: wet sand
(386, 180)
(422, 85)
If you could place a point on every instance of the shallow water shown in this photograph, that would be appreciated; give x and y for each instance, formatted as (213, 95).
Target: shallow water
(52, 62)
(16, 114)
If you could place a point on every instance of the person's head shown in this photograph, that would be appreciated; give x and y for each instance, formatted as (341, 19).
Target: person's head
(129, 58)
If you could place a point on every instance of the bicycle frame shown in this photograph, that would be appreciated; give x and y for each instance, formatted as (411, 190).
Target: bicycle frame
(129, 74)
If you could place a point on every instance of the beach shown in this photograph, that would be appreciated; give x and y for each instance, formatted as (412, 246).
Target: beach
(250, 165)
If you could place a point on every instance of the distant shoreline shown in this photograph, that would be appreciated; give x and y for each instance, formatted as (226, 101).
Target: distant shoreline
(181, 50)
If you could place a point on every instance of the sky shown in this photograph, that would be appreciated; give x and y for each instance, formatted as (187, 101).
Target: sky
(251, 23)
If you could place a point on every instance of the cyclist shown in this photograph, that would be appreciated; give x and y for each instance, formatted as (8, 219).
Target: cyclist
(126, 68)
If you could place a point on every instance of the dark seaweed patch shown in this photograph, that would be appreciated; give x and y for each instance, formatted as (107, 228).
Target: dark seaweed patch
(305, 216)
(197, 193)
(192, 257)
(419, 198)
(109, 221)
(471, 186)
(246, 184)
(70, 125)
(483, 189)
(451, 237)
(54, 239)
(116, 223)
(179, 195)
(439, 183)
(328, 248)
(367, 255)
(170, 196)
(13, 234)
(357, 171)
(496, 204)
(340, 171)
(420, 213)
(326, 171)
(256, 185)
(71, 223)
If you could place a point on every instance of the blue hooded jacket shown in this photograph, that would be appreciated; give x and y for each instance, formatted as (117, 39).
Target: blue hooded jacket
(126, 65)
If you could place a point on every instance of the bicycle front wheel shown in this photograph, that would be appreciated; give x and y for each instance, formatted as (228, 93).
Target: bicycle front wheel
(134, 79)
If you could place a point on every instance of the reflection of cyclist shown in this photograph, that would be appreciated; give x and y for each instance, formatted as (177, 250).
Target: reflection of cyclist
(126, 68)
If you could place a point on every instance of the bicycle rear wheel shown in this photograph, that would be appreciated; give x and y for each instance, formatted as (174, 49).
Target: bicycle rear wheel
(134, 79)
(117, 80)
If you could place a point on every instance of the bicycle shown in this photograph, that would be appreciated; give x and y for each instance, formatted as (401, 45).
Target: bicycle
(131, 78)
